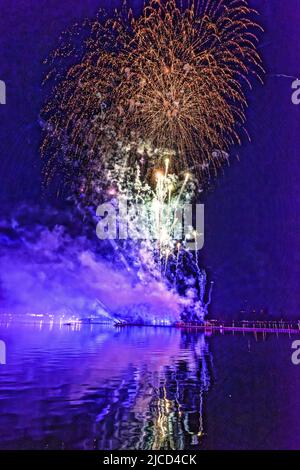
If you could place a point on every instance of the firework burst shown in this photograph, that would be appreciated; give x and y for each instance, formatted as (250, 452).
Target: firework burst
(173, 79)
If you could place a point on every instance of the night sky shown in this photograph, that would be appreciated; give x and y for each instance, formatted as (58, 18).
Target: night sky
(252, 209)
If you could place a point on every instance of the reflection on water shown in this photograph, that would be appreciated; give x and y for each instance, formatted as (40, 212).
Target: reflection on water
(96, 387)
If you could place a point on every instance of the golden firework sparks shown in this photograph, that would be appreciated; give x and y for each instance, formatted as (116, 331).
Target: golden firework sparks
(173, 78)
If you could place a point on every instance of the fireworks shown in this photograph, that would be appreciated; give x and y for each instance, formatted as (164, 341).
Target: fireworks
(173, 78)
(146, 109)
(156, 215)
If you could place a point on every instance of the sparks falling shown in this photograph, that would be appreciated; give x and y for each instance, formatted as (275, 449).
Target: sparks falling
(174, 77)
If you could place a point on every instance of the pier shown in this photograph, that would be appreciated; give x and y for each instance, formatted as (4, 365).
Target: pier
(277, 327)
(263, 327)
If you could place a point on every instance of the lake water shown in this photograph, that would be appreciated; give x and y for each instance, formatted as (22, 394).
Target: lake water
(97, 387)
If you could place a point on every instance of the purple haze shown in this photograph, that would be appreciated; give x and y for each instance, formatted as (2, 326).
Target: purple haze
(44, 269)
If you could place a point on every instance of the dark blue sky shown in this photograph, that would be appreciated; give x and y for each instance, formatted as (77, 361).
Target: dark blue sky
(253, 212)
